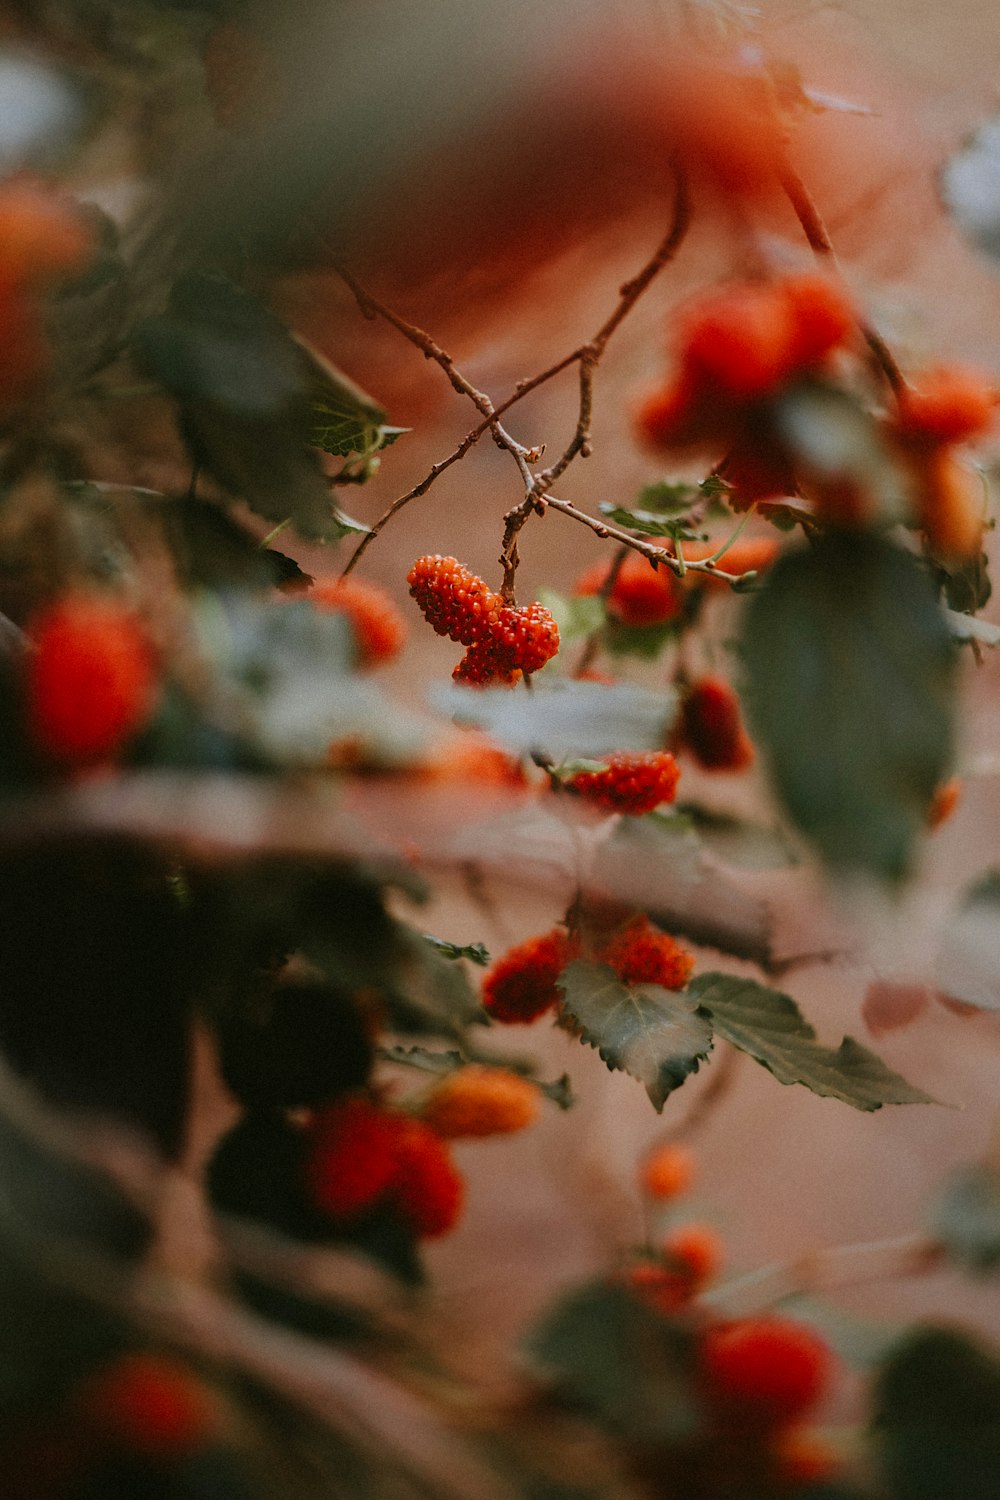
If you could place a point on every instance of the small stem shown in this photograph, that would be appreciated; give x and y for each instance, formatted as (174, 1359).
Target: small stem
(730, 540)
(275, 532)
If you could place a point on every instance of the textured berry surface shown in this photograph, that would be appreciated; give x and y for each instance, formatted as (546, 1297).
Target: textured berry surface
(376, 624)
(640, 953)
(90, 679)
(453, 600)
(667, 1172)
(711, 727)
(430, 1190)
(481, 1101)
(640, 594)
(486, 665)
(352, 1158)
(150, 1403)
(633, 783)
(521, 985)
(767, 1370)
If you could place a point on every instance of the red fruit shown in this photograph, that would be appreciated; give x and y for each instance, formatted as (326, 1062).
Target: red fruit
(90, 679)
(822, 316)
(950, 506)
(766, 1371)
(376, 624)
(946, 798)
(696, 1251)
(44, 236)
(453, 599)
(352, 1159)
(682, 415)
(802, 1458)
(529, 634)
(949, 404)
(667, 1172)
(640, 595)
(740, 341)
(484, 665)
(632, 782)
(430, 1190)
(756, 468)
(640, 953)
(521, 985)
(152, 1404)
(711, 727)
(481, 1101)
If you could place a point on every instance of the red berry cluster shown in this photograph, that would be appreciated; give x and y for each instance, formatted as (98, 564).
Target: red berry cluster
(502, 640)
(523, 983)
(640, 594)
(361, 1155)
(91, 679)
(738, 349)
(711, 727)
(633, 782)
(949, 406)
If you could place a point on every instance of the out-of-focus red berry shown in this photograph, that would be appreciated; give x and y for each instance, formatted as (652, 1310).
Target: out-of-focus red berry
(151, 1404)
(948, 404)
(376, 624)
(91, 679)
(633, 782)
(667, 1172)
(640, 595)
(711, 726)
(944, 802)
(640, 953)
(767, 1371)
(352, 1160)
(429, 1188)
(520, 986)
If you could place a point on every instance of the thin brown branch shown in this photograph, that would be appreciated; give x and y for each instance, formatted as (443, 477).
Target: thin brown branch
(822, 247)
(658, 556)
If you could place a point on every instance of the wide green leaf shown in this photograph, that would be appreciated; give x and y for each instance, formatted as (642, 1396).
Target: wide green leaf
(650, 524)
(851, 694)
(654, 1034)
(770, 1028)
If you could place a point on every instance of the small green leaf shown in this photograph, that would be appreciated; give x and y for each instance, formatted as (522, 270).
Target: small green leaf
(851, 694)
(341, 524)
(477, 953)
(423, 1058)
(670, 499)
(770, 1028)
(967, 1218)
(577, 615)
(621, 1361)
(652, 525)
(654, 1034)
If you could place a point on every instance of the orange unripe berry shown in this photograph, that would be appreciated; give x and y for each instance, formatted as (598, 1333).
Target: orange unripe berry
(151, 1404)
(950, 506)
(44, 235)
(943, 803)
(766, 1371)
(696, 1251)
(667, 1172)
(481, 1101)
(803, 1458)
(949, 404)
(640, 595)
(376, 624)
(90, 680)
(471, 756)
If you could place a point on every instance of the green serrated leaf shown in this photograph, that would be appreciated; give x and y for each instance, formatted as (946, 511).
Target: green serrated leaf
(851, 695)
(622, 1362)
(666, 498)
(770, 1028)
(477, 953)
(341, 524)
(967, 1218)
(652, 525)
(577, 616)
(654, 1034)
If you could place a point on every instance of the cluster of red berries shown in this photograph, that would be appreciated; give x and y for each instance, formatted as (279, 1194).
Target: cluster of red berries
(376, 624)
(738, 350)
(522, 984)
(711, 727)
(361, 1155)
(502, 640)
(948, 407)
(640, 595)
(760, 1377)
(90, 679)
(633, 782)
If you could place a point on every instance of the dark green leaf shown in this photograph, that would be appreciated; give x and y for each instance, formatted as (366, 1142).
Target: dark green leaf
(429, 994)
(645, 641)
(622, 1362)
(967, 1218)
(475, 952)
(770, 1028)
(936, 1418)
(654, 1034)
(850, 692)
